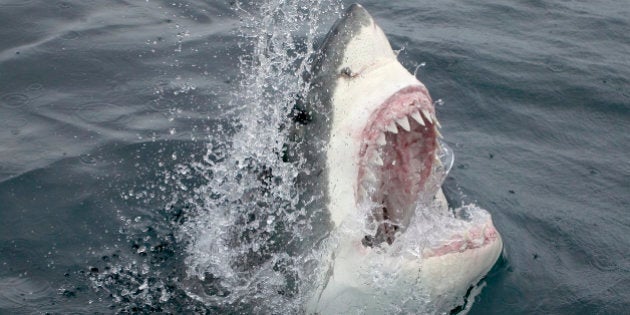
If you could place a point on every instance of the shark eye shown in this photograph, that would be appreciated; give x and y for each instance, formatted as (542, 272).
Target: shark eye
(347, 72)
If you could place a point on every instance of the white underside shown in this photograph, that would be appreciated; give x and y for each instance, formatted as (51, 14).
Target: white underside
(368, 280)
(436, 284)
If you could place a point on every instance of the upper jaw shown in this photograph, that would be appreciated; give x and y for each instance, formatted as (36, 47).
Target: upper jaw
(396, 159)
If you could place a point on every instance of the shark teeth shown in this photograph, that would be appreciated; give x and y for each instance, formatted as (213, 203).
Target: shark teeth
(437, 132)
(437, 123)
(417, 117)
(381, 139)
(421, 116)
(376, 159)
(438, 161)
(370, 177)
(391, 127)
(427, 115)
(404, 123)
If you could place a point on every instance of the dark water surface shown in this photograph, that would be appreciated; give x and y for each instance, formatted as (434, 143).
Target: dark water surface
(102, 102)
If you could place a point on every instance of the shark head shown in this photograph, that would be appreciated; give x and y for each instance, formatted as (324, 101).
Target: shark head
(384, 129)
(382, 162)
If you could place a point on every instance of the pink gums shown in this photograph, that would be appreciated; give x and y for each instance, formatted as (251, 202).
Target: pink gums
(399, 105)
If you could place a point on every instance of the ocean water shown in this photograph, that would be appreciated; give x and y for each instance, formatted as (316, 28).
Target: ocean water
(133, 134)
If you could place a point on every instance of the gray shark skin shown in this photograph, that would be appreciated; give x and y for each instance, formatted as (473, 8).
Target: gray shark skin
(368, 138)
(311, 134)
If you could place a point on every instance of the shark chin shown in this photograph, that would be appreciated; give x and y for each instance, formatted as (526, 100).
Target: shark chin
(397, 245)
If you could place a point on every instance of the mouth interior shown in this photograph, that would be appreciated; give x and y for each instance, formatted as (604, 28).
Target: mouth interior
(398, 157)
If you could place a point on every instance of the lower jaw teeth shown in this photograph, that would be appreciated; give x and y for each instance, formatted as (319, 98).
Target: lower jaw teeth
(376, 159)
(381, 139)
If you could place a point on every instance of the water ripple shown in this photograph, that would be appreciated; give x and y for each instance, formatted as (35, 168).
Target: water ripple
(513, 295)
(70, 35)
(15, 3)
(16, 292)
(14, 100)
(87, 159)
(102, 112)
(603, 263)
(63, 5)
(13, 122)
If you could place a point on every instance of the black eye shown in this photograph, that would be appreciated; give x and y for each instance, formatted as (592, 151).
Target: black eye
(347, 72)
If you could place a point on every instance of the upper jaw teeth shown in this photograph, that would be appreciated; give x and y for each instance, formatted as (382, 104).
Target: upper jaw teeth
(419, 115)
(404, 123)
(381, 139)
(437, 123)
(391, 127)
(427, 115)
(376, 159)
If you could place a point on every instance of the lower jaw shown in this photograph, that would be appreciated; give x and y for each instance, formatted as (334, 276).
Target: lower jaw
(452, 275)
(449, 274)
(460, 245)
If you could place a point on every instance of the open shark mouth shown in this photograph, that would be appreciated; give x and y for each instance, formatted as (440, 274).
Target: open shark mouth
(398, 167)
(396, 160)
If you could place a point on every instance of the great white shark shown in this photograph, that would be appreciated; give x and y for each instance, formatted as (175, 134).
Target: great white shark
(369, 136)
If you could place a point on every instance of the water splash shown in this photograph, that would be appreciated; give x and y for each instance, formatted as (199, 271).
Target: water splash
(245, 226)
